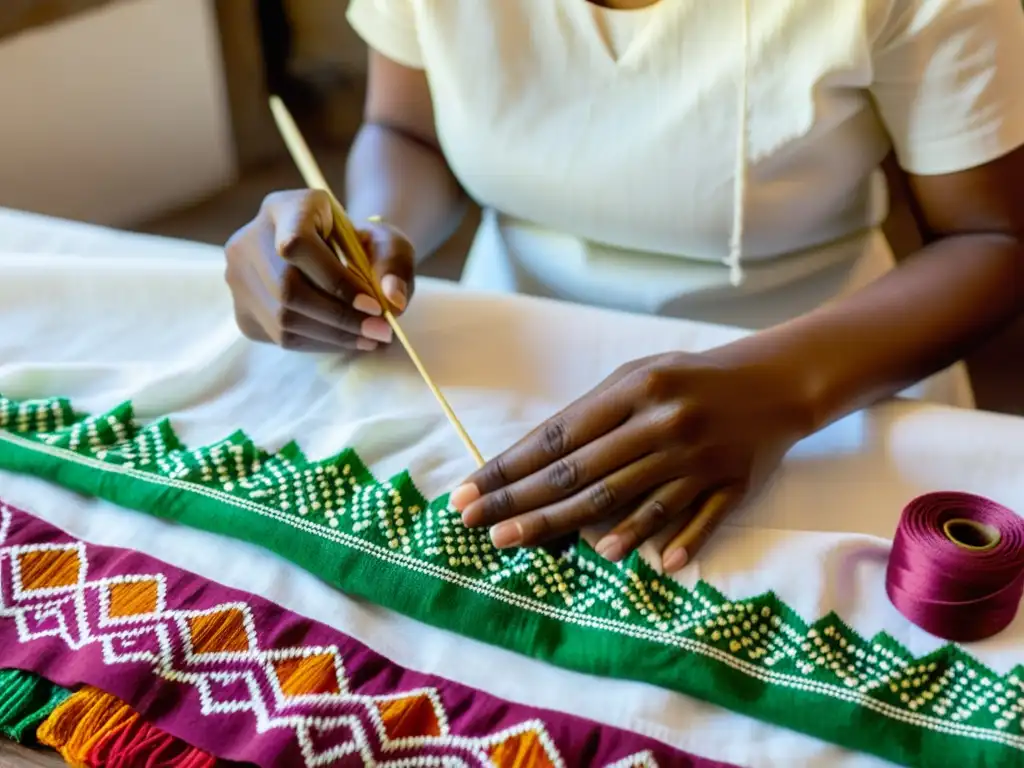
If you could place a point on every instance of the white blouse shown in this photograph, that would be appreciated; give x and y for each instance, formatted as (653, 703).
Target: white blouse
(603, 143)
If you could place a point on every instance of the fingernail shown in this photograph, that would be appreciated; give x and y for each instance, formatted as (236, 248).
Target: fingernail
(506, 535)
(395, 291)
(463, 496)
(611, 548)
(367, 305)
(473, 516)
(674, 561)
(365, 345)
(377, 329)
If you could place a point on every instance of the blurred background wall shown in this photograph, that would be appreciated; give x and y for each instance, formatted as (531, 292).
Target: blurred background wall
(152, 115)
(116, 114)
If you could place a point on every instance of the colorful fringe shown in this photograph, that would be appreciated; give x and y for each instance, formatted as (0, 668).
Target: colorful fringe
(88, 728)
(26, 700)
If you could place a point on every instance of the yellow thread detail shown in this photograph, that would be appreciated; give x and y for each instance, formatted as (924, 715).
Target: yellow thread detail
(81, 722)
(49, 568)
(133, 598)
(409, 717)
(972, 535)
(307, 676)
(220, 632)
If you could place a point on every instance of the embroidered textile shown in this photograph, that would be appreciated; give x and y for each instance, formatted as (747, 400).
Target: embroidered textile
(383, 541)
(247, 680)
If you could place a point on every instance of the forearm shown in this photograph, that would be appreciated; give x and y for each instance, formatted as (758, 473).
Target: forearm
(941, 303)
(405, 182)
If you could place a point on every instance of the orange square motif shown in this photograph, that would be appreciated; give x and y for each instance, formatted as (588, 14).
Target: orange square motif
(220, 632)
(524, 749)
(133, 598)
(307, 675)
(49, 568)
(410, 717)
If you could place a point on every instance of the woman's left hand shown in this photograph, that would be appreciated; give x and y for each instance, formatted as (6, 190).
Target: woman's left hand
(665, 445)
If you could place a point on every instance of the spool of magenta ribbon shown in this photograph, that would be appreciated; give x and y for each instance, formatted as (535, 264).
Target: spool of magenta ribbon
(957, 565)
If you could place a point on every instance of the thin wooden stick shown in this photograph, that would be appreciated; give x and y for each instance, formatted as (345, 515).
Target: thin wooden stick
(351, 254)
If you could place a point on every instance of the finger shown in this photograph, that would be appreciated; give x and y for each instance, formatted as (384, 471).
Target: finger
(251, 327)
(365, 300)
(591, 505)
(301, 297)
(684, 547)
(304, 334)
(292, 329)
(299, 344)
(394, 261)
(653, 514)
(304, 344)
(294, 290)
(300, 232)
(562, 478)
(369, 334)
(590, 417)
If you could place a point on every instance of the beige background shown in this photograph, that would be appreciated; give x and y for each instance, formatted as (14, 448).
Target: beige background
(115, 115)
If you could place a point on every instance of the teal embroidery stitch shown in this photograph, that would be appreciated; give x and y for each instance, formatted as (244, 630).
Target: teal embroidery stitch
(384, 542)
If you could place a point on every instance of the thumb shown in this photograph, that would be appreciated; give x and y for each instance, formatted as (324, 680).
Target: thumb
(685, 545)
(394, 260)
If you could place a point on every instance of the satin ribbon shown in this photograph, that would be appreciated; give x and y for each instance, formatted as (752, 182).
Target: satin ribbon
(957, 565)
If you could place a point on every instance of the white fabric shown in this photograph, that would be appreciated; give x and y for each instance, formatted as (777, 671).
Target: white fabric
(158, 328)
(620, 28)
(606, 139)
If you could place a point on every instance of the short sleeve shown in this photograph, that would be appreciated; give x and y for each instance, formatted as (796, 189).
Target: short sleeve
(949, 82)
(389, 27)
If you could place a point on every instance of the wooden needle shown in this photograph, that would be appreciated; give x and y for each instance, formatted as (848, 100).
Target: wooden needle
(351, 254)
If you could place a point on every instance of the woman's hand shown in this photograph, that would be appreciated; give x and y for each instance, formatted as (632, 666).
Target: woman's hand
(666, 445)
(290, 289)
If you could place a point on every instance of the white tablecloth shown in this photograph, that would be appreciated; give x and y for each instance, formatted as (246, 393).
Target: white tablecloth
(103, 317)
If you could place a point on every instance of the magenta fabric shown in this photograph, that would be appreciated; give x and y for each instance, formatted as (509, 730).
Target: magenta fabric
(220, 669)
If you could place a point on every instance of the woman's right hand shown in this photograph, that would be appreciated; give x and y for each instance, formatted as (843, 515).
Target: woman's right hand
(290, 289)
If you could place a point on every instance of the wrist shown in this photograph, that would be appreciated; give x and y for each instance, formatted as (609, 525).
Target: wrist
(793, 379)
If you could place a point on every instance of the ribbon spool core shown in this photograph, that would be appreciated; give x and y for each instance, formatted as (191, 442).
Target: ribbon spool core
(971, 535)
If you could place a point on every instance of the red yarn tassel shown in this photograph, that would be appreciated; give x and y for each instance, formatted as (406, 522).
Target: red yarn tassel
(142, 745)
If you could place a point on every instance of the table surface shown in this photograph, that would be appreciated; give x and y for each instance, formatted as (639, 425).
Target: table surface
(15, 756)
(500, 383)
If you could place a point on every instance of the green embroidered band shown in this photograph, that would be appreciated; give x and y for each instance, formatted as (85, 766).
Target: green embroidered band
(384, 542)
